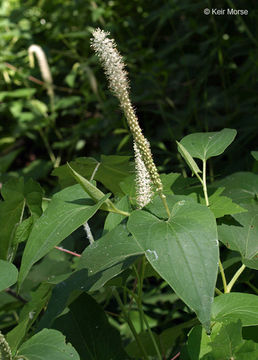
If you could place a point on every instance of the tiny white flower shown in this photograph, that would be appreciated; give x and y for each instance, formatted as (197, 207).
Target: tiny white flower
(144, 191)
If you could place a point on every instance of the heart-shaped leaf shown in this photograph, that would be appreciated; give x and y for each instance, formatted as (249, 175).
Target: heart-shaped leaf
(183, 250)
(206, 145)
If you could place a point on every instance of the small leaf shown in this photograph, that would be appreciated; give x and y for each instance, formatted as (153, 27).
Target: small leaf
(235, 306)
(8, 274)
(87, 328)
(188, 158)
(47, 344)
(222, 205)
(206, 145)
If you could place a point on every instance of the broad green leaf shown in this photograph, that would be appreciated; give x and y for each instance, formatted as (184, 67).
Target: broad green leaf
(225, 342)
(47, 344)
(206, 145)
(110, 171)
(8, 274)
(222, 205)
(183, 250)
(67, 211)
(243, 236)
(16, 194)
(188, 158)
(100, 262)
(87, 328)
(240, 187)
(235, 306)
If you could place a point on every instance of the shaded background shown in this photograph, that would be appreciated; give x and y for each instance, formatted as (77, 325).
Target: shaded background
(188, 71)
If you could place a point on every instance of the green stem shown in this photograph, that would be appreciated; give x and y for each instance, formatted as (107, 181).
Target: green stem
(48, 147)
(235, 277)
(224, 281)
(254, 288)
(163, 198)
(218, 292)
(121, 212)
(130, 324)
(152, 338)
(204, 184)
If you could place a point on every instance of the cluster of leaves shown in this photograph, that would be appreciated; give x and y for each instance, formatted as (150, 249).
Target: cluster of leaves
(180, 251)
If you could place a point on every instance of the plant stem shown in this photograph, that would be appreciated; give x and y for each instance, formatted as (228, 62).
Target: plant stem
(218, 292)
(152, 338)
(235, 277)
(224, 281)
(204, 184)
(48, 147)
(163, 198)
(130, 324)
(254, 288)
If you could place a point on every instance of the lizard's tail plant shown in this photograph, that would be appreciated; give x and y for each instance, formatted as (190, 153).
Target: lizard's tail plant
(44, 69)
(114, 67)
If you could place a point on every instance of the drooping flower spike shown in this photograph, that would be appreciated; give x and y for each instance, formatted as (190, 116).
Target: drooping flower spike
(114, 68)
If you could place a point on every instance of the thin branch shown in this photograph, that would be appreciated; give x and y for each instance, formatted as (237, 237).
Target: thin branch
(67, 251)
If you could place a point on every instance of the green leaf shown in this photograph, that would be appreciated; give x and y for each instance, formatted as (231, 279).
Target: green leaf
(235, 306)
(225, 342)
(8, 274)
(240, 187)
(110, 171)
(23, 230)
(222, 205)
(67, 211)
(206, 145)
(26, 92)
(243, 238)
(188, 158)
(16, 194)
(100, 262)
(6, 160)
(92, 190)
(28, 315)
(183, 250)
(87, 328)
(47, 344)
(255, 155)
(112, 220)
(17, 334)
